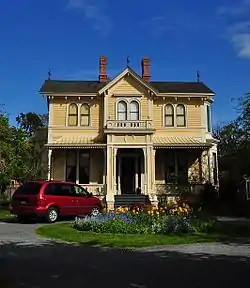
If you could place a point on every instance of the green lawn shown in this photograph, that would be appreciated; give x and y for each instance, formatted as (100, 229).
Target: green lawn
(66, 233)
(5, 213)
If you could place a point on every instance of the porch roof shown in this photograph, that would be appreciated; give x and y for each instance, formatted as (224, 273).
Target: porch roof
(76, 142)
(179, 142)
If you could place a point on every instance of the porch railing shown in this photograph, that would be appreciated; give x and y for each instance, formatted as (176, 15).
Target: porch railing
(178, 189)
(96, 189)
(126, 124)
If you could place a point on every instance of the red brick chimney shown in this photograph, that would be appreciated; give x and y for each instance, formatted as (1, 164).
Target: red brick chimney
(145, 65)
(103, 77)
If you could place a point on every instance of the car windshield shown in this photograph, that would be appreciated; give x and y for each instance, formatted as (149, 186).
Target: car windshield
(29, 188)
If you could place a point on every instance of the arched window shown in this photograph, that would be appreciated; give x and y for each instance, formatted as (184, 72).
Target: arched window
(85, 115)
(134, 111)
(180, 115)
(169, 115)
(122, 110)
(73, 115)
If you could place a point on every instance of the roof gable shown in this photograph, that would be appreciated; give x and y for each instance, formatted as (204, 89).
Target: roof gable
(128, 72)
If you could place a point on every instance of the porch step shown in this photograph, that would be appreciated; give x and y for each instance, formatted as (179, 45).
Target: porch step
(130, 199)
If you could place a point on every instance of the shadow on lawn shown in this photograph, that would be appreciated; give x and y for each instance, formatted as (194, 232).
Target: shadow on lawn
(62, 265)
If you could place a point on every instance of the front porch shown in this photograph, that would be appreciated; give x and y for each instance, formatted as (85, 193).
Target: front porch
(114, 171)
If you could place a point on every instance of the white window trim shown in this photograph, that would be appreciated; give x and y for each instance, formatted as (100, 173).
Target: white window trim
(175, 116)
(128, 101)
(78, 116)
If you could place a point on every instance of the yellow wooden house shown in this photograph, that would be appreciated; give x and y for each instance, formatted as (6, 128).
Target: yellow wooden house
(119, 136)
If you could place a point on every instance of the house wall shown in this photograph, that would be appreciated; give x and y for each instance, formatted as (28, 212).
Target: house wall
(127, 89)
(195, 121)
(58, 113)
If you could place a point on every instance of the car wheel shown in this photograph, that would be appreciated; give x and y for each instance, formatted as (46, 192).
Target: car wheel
(52, 215)
(95, 211)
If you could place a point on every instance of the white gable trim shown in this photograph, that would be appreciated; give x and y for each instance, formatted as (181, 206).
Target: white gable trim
(126, 72)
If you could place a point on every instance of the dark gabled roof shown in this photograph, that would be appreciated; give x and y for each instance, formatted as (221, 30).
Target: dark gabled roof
(59, 86)
(181, 87)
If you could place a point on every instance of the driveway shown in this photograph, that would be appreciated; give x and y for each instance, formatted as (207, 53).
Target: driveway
(27, 261)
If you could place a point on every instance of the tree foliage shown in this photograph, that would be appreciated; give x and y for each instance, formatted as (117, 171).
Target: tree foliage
(20, 148)
(234, 137)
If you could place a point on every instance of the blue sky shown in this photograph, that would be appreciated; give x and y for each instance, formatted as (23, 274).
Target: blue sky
(68, 36)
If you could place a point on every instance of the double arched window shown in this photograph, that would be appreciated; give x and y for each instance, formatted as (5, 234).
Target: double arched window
(174, 117)
(128, 111)
(79, 114)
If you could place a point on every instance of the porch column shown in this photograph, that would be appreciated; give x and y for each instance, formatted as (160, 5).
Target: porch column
(114, 171)
(49, 164)
(104, 175)
(149, 169)
(109, 178)
(119, 175)
(153, 170)
(77, 165)
(136, 171)
(145, 172)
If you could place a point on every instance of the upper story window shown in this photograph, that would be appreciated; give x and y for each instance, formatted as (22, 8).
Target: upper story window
(85, 115)
(128, 111)
(73, 115)
(208, 114)
(122, 110)
(169, 115)
(180, 115)
(134, 111)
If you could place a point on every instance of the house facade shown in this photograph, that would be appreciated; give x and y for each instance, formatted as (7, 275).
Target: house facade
(113, 136)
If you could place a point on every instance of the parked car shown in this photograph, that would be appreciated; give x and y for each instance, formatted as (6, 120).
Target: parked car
(53, 199)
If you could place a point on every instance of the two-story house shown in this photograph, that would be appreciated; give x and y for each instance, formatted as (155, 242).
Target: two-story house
(115, 135)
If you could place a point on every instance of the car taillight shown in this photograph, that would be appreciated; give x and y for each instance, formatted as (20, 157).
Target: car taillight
(40, 201)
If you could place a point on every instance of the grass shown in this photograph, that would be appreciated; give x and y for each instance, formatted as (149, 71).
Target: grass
(5, 213)
(65, 232)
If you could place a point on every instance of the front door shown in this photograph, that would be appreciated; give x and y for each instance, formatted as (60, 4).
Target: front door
(127, 175)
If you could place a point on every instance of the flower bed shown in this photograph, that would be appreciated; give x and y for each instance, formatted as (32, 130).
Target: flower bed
(174, 218)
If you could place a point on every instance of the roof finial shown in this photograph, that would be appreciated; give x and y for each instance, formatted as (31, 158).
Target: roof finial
(198, 76)
(49, 74)
(128, 61)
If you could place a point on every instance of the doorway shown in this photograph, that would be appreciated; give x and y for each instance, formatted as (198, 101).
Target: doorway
(128, 175)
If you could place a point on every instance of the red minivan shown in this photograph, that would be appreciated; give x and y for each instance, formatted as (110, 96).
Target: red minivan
(51, 199)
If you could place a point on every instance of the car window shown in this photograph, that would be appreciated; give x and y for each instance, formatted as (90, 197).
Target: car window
(29, 188)
(80, 191)
(58, 189)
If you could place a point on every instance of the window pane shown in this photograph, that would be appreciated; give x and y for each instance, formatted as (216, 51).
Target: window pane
(122, 106)
(208, 119)
(71, 166)
(72, 120)
(134, 116)
(71, 173)
(84, 120)
(169, 110)
(71, 157)
(180, 110)
(134, 107)
(122, 115)
(180, 121)
(85, 109)
(84, 166)
(169, 121)
(72, 109)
